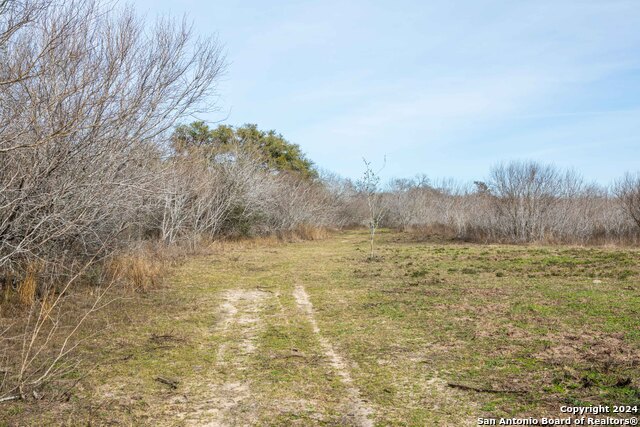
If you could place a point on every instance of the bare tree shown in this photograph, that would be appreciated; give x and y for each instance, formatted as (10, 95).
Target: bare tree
(627, 191)
(87, 96)
(523, 192)
(520, 202)
(344, 200)
(407, 202)
(368, 186)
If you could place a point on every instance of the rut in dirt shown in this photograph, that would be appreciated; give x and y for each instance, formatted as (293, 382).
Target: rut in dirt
(230, 403)
(361, 411)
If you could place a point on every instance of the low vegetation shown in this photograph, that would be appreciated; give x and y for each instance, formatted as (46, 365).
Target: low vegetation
(431, 333)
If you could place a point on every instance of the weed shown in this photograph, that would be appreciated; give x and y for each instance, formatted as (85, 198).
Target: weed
(140, 271)
(29, 285)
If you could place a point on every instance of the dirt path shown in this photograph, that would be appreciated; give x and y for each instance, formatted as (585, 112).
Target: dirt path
(361, 411)
(230, 397)
(228, 403)
(304, 334)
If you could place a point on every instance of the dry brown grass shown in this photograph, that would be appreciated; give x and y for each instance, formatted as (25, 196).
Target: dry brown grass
(246, 243)
(303, 232)
(310, 232)
(29, 285)
(5, 284)
(444, 232)
(137, 270)
(431, 232)
(48, 303)
(145, 265)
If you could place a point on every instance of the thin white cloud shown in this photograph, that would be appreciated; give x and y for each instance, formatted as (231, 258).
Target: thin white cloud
(411, 76)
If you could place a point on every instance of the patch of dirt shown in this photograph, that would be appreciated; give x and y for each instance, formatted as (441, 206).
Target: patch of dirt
(592, 349)
(229, 402)
(164, 341)
(360, 410)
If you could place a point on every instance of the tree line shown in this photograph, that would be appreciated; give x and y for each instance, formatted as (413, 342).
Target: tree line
(520, 202)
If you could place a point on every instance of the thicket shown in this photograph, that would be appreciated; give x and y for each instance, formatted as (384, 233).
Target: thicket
(519, 202)
(90, 161)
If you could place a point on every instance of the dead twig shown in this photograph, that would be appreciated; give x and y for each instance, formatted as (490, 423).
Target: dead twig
(484, 390)
(173, 384)
(8, 398)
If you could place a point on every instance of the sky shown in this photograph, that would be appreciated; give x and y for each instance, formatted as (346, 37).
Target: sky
(443, 88)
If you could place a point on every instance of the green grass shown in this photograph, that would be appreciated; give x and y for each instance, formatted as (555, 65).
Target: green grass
(544, 326)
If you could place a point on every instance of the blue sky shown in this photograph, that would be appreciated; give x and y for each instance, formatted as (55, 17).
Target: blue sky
(445, 88)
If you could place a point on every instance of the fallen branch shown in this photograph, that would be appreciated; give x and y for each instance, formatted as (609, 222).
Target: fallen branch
(171, 383)
(483, 390)
(8, 398)
(287, 356)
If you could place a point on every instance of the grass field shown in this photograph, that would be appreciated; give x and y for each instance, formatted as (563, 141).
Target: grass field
(314, 333)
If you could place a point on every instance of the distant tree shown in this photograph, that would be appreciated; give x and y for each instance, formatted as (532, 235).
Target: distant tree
(627, 191)
(481, 187)
(198, 135)
(273, 149)
(406, 201)
(524, 192)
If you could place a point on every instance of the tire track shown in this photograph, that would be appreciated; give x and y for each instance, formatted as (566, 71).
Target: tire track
(361, 410)
(230, 403)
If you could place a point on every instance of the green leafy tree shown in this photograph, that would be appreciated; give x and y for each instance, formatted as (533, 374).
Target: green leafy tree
(275, 151)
